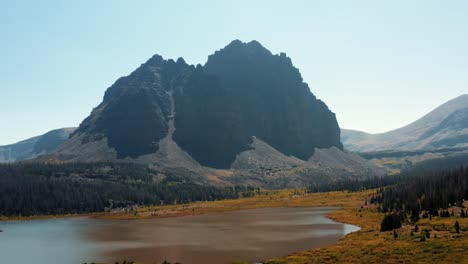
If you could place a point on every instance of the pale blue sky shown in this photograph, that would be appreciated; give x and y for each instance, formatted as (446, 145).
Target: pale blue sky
(377, 64)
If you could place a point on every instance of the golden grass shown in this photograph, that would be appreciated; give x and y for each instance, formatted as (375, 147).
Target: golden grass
(263, 199)
(369, 245)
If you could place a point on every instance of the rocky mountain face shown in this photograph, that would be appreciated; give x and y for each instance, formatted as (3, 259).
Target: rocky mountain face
(444, 127)
(200, 120)
(33, 147)
(245, 91)
(134, 114)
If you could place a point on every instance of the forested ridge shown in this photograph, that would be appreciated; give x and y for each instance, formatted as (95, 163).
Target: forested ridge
(426, 190)
(420, 169)
(428, 167)
(355, 185)
(36, 189)
(428, 193)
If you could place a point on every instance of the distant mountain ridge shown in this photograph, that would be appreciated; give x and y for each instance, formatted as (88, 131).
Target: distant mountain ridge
(35, 146)
(444, 127)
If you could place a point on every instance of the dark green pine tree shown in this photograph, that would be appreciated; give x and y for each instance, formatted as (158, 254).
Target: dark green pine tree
(390, 222)
(457, 227)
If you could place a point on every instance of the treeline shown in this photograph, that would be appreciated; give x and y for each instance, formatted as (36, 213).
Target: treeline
(436, 165)
(355, 185)
(425, 190)
(427, 193)
(115, 171)
(32, 188)
(420, 169)
(402, 154)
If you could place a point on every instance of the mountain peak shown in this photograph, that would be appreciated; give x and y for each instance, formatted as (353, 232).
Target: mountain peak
(181, 60)
(239, 43)
(237, 47)
(211, 112)
(235, 42)
(156, 59)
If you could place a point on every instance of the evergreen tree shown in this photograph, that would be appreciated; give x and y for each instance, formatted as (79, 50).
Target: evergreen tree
(415, 215)
(427, 233)
(457, 227)
(389, 222)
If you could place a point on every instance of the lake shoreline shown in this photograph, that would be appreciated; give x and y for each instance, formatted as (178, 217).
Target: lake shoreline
(277, 198)
(352, 209)
(108, 229)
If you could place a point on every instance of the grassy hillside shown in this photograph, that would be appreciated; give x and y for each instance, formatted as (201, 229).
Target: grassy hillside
(369, 245)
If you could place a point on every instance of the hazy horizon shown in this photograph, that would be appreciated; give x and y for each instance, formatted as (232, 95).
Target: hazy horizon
(394, 63)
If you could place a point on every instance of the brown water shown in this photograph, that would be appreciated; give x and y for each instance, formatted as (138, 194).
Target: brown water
(248, 235)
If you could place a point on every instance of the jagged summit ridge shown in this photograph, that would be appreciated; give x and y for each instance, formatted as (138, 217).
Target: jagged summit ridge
(135, 111)
(243, 91)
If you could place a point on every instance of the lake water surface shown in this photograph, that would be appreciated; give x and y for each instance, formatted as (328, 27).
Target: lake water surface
(247, 235)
